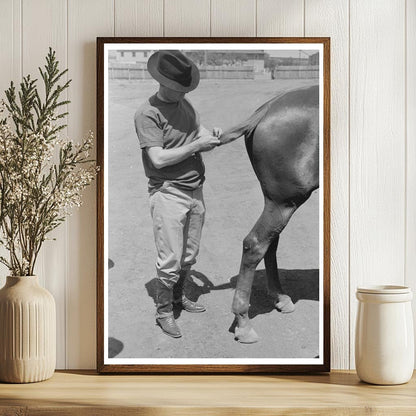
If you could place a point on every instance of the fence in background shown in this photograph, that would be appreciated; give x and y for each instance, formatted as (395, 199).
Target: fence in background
(125, 71)
(296, 72)
(137, 71)
(227, 72)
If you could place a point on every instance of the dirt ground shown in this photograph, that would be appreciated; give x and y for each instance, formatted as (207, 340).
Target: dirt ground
(234, 202)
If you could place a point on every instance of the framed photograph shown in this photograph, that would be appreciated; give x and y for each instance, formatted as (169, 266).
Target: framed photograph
(213, 205)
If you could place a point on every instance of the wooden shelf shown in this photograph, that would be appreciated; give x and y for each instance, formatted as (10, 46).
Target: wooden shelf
(86, 393)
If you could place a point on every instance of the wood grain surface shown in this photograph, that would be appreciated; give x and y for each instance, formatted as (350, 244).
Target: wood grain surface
(85, 19)
(51, 265)
(280, 18)
(233, 18)
(377, 140)
(138, 18)
(82, 393)
(410, 259)
(330, 18)
(187, 18)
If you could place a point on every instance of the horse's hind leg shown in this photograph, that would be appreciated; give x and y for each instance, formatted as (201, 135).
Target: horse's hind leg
(267, 228)
(282, 301)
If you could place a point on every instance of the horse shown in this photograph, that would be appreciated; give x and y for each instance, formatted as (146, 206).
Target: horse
(282, 142)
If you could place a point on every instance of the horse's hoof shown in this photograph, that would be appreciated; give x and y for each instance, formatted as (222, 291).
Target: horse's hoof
(285, 304)
(246, 335)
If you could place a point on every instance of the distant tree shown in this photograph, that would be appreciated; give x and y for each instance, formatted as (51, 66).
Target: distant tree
(216, 58)
(240, 57)
(196, 56)
(269, 62)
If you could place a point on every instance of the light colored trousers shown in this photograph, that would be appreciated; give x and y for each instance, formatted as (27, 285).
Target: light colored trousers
(178, 218)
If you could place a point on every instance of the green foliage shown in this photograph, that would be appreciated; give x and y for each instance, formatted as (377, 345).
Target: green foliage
(30, 112)
(36, 194)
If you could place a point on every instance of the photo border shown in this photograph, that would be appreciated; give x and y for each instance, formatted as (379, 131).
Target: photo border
(191, 368)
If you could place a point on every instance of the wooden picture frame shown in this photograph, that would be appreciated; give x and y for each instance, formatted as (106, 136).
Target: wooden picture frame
(131, 312)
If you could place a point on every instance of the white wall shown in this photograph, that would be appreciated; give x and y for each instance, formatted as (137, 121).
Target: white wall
(373, 132)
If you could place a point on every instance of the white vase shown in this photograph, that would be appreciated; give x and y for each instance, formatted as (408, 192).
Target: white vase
(384, 337)
(27, 331)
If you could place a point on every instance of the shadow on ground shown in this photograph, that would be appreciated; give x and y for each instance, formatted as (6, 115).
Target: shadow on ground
(297, 283)
(110, 264)
(198, 285)
(114, 347)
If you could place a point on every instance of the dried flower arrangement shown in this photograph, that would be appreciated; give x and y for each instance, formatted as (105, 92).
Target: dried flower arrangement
(42, 176)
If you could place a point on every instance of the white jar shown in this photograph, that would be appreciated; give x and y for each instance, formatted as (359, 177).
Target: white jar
(384, 338)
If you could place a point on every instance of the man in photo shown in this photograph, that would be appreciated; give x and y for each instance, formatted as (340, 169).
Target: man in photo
(172, 139)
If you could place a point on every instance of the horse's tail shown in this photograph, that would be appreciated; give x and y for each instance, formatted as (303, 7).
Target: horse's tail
(247, 127)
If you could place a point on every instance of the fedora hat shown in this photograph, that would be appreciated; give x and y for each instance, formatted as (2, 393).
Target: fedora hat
(173, 70)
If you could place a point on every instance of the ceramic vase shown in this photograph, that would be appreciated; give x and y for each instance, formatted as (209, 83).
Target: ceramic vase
(384, 340)
(27, 331)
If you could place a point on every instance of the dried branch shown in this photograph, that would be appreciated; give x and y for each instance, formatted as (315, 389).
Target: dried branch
(36, 193)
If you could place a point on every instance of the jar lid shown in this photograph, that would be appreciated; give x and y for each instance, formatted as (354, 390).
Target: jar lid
(384, 289)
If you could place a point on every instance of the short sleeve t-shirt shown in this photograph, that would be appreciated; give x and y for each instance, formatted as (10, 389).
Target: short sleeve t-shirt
(169, 125)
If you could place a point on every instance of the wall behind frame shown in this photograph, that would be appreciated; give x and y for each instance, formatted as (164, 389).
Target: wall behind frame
(373, 132)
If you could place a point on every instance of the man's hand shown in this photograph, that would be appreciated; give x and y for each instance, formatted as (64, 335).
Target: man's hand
(206, 143)
(216, 132)
(203, 142)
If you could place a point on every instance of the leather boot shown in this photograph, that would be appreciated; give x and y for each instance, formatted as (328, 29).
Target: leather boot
(164, 310)
(180, 298)
(190, 306)
(169, 326)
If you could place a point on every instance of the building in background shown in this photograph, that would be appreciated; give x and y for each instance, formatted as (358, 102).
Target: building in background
(314, 59)
(136, 57)
(256, 60)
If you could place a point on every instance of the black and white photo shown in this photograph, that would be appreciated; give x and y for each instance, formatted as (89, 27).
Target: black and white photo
(213, 205)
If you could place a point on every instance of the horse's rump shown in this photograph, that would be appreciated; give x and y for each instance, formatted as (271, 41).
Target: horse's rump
(247, 127)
